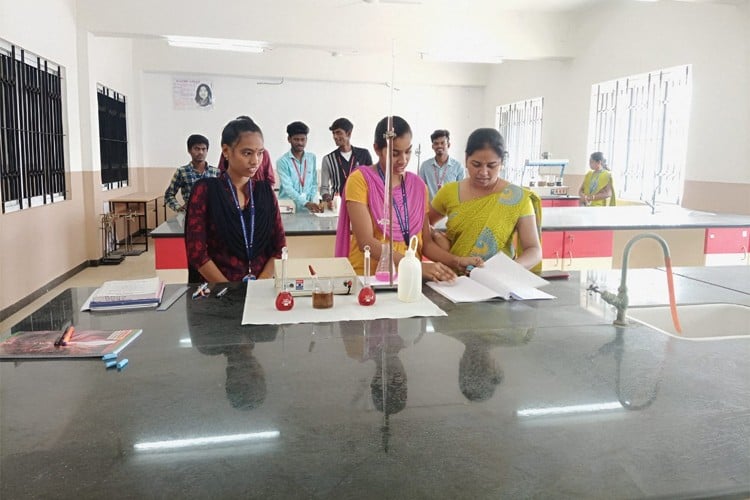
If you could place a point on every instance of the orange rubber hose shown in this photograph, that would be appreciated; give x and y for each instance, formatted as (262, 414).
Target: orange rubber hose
(672, 301)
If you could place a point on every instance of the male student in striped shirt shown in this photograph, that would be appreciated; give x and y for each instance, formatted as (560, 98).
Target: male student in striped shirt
(339, 163)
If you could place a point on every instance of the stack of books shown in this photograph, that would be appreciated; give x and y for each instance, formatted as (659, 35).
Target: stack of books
(127, 294)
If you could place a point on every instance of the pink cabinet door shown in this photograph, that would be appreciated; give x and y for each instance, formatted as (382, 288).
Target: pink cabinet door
(726, 240)
(565, 203)
(580, 244)
(552, 244)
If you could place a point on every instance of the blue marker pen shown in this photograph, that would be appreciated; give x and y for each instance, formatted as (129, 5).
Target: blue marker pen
(109, 357)
(110, 364)
(122, 364)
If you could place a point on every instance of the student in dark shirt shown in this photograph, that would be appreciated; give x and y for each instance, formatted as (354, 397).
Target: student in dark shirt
(339, 163)
(233, 228)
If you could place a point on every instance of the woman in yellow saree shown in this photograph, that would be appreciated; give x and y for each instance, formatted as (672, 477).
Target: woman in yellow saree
(597, 184)
(484, 211)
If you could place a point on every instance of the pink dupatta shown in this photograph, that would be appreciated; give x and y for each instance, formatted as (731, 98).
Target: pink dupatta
(415, 196)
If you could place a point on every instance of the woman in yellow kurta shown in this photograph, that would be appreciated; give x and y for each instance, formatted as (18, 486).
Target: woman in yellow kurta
(597, 184)
(484, 211)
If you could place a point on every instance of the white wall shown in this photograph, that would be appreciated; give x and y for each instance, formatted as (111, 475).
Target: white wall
(109, 62)
(515, 81)
(628, 38)
(314, 102)
(40, 244)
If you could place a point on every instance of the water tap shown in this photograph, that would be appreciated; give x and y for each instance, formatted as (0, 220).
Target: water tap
(620, 300)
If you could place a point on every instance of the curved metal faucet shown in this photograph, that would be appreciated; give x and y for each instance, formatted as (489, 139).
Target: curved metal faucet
(620, 301)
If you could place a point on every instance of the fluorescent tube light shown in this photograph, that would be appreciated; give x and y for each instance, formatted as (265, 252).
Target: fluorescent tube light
(205, 441)
(196, 42)
(461, 57)
(569, 410)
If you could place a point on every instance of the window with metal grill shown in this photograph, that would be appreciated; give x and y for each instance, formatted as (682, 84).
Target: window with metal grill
(640, 123)
(32, 137)
(520, 124)
(113, 138)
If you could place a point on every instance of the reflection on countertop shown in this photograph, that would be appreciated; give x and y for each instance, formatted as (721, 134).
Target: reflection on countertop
(497, 399)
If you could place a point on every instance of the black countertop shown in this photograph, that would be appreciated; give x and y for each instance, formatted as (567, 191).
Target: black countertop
(457, 394)
(634, 217)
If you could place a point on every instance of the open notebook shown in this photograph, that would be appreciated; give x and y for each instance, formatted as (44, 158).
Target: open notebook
(500, 278)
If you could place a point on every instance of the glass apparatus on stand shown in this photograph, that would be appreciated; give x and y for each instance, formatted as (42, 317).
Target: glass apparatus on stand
(366, 294)
(284, 300)
(386, 270)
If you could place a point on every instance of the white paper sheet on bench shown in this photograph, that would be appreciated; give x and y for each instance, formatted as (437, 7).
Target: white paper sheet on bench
(327, 213)
(260, 308)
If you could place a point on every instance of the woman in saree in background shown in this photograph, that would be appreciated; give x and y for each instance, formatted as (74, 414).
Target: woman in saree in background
(597, 185)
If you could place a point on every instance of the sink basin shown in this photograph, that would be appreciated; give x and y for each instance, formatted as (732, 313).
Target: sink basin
(698, 321)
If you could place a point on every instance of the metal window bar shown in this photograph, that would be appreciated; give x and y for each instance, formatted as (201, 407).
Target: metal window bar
(113, 141)
(640, 124)
(520, 124)
(32, 160)
(9, 154)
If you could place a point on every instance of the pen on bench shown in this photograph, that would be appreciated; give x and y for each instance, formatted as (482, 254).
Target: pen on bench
(222, 292)
(202, 291)
(64, 331)
(68, 335)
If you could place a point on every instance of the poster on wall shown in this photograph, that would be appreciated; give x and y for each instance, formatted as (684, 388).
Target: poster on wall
(190, 93)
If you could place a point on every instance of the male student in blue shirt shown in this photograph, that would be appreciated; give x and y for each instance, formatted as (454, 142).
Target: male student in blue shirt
(440, 169)
(297, 170)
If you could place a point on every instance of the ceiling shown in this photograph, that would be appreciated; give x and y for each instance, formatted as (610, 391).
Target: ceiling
(513, 29)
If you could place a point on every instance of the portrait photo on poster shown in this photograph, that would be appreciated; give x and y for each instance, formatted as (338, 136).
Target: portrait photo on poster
(192, 93)
(203, 95)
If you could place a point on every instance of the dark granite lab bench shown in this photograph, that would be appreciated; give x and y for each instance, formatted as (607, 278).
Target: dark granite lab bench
(540, 399)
